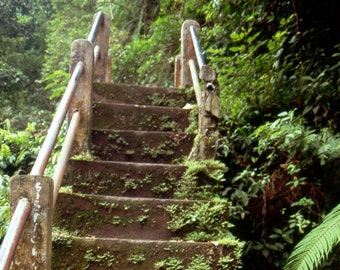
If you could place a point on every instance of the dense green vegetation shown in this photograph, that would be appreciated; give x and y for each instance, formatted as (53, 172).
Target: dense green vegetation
(278, 64)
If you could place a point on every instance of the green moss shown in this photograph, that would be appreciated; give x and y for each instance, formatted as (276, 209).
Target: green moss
(142, 219)
(193, 120)
(136, 258)
(166, 148)
(116, 220)
(66, 189)
(169, 264)
(199, 262)
(235, 257)
(202, 179)
(206, 219)
(97, 257)
(108, 205)
(86, 157)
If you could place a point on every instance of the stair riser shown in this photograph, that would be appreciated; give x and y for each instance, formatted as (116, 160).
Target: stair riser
(123, 179)
(103, 254)
(132, 94)
(127, 218)
(132, 146)
(130, 117)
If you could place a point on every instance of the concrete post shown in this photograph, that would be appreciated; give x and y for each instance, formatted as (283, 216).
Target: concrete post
(188, 52)
(102, 71)
(82, 50)
(177, 79)
(208, 117)
(35, 246)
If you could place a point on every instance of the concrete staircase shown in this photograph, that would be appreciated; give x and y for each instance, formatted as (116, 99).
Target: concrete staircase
(117, 208)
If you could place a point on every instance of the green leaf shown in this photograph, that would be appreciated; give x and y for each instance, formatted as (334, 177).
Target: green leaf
(317, 244)
(238, 48)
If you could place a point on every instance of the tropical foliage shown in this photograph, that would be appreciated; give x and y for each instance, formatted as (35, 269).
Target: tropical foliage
(316, 245)
(18, 150)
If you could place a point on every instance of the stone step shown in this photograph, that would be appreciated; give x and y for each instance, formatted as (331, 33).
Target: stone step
(140, 146)
(135, 94)
(139, 117)
(123, 178)
(124, 254)
(140, 218)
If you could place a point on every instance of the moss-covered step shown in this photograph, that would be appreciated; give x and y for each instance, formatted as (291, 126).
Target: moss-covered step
(140, 218)
(139, 117)
(120, 254)
(123, 178)
(135, 94)
(140, 146)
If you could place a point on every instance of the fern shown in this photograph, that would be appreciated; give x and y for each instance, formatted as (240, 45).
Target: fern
(317, 244)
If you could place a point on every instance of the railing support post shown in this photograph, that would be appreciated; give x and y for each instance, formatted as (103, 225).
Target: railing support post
(188, 52)
(208, 117)
(102, 70)
(208, 99)
(82, 51)
(35, 246)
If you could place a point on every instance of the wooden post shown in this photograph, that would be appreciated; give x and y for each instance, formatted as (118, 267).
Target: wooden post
(82, 50)
(35, 246)
(188, 52)
(102, 72)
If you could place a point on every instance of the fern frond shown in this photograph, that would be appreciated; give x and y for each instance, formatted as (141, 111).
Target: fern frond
(317, 244)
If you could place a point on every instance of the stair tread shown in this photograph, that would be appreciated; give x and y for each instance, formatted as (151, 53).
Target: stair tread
(140, 146)
(135, 217)
(139, 117)
(139, 106)
(136, 94)
(127, 240)
(123, 178)
(127, 163)
(108, 253)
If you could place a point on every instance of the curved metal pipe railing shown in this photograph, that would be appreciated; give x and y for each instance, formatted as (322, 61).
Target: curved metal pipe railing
(195, 82)
(14, 232)
(64, 155)
(197, 47)
(23, 208)
(95, 27)
(58, 120)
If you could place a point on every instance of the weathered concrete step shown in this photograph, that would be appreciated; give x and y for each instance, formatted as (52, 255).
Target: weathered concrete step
(121, 254)
(138, 117)
(123, 178)
(135, 94)
(139, 218)
(140, 146)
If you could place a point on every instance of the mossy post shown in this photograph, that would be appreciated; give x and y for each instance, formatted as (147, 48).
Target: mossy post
(34, 250)
(82, 51)
(209, 106)
(102, 70)
(208, 116)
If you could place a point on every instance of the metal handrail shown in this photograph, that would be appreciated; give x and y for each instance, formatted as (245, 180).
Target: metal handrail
(23, 207)
(52, 135)
(195, 82)
(14, 232)
(64, 155)
(197, 47)
(95, 27)
(96, 54)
